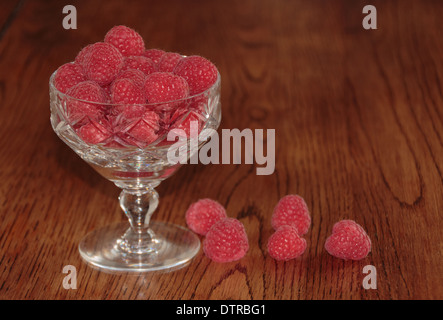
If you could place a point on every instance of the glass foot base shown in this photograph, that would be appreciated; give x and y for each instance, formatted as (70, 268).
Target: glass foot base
(174, 247)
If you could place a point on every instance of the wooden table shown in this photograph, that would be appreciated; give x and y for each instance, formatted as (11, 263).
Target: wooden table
(359, 134)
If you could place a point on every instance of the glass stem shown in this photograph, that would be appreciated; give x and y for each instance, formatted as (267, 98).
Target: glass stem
(138, 205)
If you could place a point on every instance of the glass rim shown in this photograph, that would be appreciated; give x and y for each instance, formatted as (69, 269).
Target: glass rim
(53, 88)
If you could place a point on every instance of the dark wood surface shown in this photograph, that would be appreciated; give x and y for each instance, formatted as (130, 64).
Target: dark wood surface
(359, 134)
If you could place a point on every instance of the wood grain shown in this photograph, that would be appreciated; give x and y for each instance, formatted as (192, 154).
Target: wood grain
(359, 134)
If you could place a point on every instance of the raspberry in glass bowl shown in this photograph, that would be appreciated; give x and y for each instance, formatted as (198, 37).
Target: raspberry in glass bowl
(116, 113)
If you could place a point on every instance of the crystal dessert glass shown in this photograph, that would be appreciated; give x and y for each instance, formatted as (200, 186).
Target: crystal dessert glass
(132, 152)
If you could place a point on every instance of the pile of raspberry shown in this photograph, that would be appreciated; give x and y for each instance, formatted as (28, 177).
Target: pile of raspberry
(110, 83)
(226, 239)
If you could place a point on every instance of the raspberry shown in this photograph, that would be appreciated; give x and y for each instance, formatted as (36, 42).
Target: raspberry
(133, 74)
(126, 40)
(186, 123)
(154, 54)
(81, 56)
(202, 214)
(67, 76)
(199, 72)
(107, 89)
(292, 210)
(125, 116)
(165, 86)
(141, 63)
(285, 244)
(102, 63)
(168, 61)
(226, 241)
(128, 112)
(125, 91)
(85, 91)
(200, 104)
(152, 119)
(144, 131)
(348, 241)
(93, 133)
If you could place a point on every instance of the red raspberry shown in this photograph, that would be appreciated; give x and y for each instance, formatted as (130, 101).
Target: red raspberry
(125, 117)
(126, 40)
(285, 244)
(133, 74)
(348, 241)
(153, 54)
(77, 104)
(143, 134)
(226, 241)
(201, 215)
(152, 119)
(185, 124)
(168, 61)
(93, 133)
(292, 210)
(164, 87)
(141, 63)
(81, 56)
(125, 91)
(102, 63)
(129, 112)
(107, 89)
(67, 76)
(144, 131)
(199, 72)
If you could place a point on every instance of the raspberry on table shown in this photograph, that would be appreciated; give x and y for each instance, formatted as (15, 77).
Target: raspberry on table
(153, 54)
(200, 73)
(102, 63)
(125, 91)
(201, 215)
(348, 241)
(286, 244)
(146, 65)
(135, 75)
(292, 210)
(226, 241)
(85, 99)
(168, 61)
(126, 40)
(164, 87)
(68, 75)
